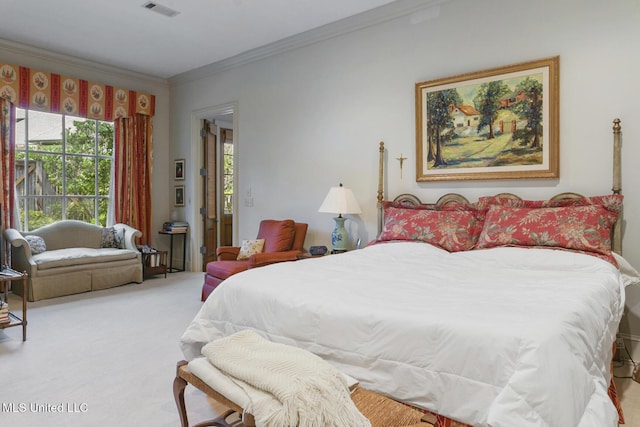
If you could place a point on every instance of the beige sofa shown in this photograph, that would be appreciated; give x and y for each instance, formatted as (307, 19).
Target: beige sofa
(74, 260)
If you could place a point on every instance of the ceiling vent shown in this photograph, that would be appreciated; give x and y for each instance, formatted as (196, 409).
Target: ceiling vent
(163, 10)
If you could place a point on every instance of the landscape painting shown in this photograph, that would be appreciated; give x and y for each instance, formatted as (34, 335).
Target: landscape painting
(494, 124)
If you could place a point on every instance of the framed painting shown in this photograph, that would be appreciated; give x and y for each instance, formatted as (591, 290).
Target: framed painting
(501, 123)
(179, 169)
(179, 195)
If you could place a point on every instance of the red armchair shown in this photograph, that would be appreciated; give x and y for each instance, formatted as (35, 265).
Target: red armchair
(283, 241)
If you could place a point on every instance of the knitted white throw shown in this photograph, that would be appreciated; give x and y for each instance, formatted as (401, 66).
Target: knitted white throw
(285, 385)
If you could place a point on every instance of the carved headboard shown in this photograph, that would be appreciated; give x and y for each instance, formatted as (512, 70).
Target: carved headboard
(411, 200)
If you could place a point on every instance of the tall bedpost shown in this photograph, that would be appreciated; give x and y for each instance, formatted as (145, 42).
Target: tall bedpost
(617, 176)
(617, 186)
(380, 185)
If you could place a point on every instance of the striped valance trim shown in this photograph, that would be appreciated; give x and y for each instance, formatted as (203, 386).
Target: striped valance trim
(54, 93)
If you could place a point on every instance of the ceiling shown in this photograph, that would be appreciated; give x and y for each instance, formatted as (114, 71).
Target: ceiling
(124, 34)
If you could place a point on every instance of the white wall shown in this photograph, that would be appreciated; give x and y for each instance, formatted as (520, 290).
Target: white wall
(313, 117)
(13, 53)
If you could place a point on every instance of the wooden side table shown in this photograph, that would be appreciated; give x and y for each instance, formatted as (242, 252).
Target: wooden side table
(6, 277)
(184, 249)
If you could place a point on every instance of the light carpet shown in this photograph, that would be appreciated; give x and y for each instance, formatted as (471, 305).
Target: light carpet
(108, 358)
(105, 358)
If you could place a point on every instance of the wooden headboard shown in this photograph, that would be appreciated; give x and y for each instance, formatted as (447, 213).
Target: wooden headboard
(411, 200)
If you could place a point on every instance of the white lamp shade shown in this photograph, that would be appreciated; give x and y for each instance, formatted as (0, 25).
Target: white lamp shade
(340, 200)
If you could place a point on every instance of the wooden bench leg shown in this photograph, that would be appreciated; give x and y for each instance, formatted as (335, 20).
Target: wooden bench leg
(178, 394)
(179, 384)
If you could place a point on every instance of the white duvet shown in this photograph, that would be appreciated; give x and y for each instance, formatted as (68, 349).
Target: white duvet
(498, 337)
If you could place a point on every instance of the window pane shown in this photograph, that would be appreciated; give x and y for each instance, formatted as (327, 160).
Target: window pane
(80, 176)
(44, 211)
(105, 139)
(45, 131)
(228, 159)
(20, 173)
(45, 174)
(228, 177)
(228, 204)
(81, 209)
(104, 176)
(103, 208)
(228, 184)
(81, 135)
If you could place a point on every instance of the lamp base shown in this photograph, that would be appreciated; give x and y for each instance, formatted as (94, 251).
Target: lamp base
(339, 236)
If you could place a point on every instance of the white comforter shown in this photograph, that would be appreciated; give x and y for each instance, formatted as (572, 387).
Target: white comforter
(499, 337)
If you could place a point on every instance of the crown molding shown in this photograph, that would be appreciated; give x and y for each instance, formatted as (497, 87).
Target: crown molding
(38, 54)
(388, 12)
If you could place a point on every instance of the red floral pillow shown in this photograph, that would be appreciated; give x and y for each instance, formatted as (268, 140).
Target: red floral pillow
(581, 228)
(612, 202)
(452, 230)
(451, 206)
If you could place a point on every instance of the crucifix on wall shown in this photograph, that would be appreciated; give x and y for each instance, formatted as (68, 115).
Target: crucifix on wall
(401, 159)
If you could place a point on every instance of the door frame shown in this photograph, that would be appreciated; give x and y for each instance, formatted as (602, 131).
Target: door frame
(195, 158)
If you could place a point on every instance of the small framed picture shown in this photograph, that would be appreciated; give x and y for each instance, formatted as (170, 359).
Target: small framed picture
(179, 196)
(179, 169)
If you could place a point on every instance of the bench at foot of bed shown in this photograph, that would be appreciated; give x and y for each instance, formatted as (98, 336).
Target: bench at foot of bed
(380, 410)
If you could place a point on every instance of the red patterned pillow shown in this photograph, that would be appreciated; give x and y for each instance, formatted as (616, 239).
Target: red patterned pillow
(451, 206)
(612, 202)
(582, 228)
(486, 202)
(452, 230)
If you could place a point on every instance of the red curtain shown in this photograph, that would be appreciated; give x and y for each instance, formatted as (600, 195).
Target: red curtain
(133, 165)
(7, 166)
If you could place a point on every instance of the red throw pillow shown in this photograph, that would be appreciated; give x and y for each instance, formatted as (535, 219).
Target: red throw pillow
(452, 230)
(612, 202)
(581, 228)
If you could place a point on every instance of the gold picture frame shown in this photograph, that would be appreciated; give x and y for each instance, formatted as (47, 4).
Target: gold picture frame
(500, 123)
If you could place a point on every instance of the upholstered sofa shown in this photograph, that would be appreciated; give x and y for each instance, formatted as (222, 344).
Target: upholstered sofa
(73, 256)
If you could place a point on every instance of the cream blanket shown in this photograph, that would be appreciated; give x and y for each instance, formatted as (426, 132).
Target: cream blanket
(285, 386)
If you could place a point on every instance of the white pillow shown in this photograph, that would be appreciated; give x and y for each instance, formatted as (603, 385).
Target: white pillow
(250, 247)
(36, 243)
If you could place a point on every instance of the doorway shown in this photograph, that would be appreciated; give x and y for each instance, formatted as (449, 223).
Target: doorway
(216, 154)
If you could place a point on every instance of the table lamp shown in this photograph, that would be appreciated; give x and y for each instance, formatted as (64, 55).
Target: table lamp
(340, 200)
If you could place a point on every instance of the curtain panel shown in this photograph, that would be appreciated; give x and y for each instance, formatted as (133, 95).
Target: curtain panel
(133, 173)
(7, 165)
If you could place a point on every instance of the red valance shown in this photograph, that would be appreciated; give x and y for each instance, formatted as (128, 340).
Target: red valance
(50, 92)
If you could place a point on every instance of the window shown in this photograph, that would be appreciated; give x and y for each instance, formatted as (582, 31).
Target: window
(63, 168)
(227, 171)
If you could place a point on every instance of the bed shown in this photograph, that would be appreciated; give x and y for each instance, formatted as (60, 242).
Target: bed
(500, 312)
